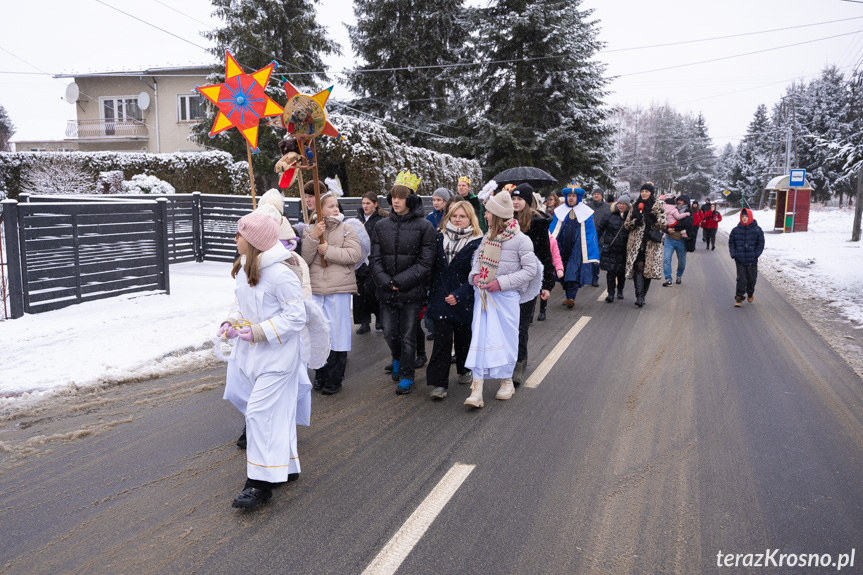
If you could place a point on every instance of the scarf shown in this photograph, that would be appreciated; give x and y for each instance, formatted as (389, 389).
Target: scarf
(489, 256)
(454, 239)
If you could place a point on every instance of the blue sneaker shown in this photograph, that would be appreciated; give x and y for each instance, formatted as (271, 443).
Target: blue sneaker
(395, 373)
(405, 386)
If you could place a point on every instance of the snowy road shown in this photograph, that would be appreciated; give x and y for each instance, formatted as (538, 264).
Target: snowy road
(661, 437)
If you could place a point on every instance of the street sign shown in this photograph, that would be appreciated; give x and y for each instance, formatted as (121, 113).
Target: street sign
(726, 193)
(797, 178)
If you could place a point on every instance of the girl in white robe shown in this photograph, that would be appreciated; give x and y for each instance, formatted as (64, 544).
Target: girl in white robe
(266, 367)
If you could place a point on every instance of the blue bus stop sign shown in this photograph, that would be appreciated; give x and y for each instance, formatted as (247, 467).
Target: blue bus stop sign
(797, 178)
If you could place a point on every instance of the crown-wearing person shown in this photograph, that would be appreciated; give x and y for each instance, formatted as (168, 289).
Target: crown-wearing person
(575, 233)
(505, 274)
(464, 191)
(403, 252)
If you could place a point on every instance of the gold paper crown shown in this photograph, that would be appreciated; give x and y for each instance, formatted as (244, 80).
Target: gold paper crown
(464, 179)
(408, 180)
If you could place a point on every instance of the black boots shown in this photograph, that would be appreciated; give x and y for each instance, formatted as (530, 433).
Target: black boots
(364, 328)
(328, 379)
(543, 303)
(241, 442)
(610, 281)
(639, 289)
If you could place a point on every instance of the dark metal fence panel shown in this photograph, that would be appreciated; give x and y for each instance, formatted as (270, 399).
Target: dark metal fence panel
(75, 252)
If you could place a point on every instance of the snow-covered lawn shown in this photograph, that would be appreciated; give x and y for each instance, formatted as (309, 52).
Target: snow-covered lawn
(140, 336)
(821, 263)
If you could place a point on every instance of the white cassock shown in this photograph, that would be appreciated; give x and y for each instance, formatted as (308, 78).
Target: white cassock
(264, 378)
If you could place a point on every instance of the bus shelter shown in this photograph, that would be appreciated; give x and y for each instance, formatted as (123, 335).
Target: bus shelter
(792, 204)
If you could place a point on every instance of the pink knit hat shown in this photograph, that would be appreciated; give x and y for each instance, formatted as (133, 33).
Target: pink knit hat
(259, 229)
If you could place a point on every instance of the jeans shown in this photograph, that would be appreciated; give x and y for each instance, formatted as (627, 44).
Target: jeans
(445, 333)
(746, 276)
(525, 313)
(672, 246)
(400, 331)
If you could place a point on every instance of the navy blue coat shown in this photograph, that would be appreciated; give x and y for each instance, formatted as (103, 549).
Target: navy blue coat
(746, 243)
(451, 278)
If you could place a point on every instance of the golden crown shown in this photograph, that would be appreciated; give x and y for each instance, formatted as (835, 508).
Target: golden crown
(408, 180)
(464, 179)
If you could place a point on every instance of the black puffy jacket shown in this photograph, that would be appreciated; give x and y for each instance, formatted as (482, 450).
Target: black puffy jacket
(403, 252)
(451, 278)
(538, 234)
(745, 243)
(612, 237)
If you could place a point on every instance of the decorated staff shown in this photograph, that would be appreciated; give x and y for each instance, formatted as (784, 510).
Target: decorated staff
(242, 103)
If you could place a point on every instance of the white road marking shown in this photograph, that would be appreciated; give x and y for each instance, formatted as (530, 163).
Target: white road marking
(540, 372)
(602, 295)
(400, 545)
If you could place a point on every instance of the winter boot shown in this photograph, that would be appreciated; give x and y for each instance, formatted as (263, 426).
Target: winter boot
(465, 377)
(475, 399)
(405, 387)
(518, 372)
(507, 389)
(542, 305)
(395, 370)
(738, 300)
(610, 281)
(639, 289)
(364, 328)
(750, 298)
(242, 442)
(645, 290)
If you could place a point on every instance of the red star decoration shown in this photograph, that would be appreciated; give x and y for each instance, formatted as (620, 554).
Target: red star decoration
(241, 100)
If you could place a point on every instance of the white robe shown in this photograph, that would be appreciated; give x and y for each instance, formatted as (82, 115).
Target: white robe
(264, 378)
(494, 339)
(337, 310)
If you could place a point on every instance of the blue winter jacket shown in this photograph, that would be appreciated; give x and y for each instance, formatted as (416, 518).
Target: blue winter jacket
(451, 278)
(745, 243)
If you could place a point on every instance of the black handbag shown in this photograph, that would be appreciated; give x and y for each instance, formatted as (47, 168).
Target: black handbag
(654, 236)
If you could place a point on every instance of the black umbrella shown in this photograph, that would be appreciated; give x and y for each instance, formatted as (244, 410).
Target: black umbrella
(525, 174)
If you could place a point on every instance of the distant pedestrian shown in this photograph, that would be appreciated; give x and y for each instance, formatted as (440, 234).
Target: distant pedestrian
(613, 237)
(451, 297)
(696, 225)
(600, 211)
(464, 190)
(745, 244)
(646, 224)
(575, 233)
(551, 202)
(505, 273)
(366, 300)
(710, 223)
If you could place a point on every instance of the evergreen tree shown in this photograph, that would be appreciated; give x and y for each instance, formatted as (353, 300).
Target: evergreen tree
(700, 162)
(7, 129)
(538, 97)
(405, 37)
(754, 158)
(257, 32)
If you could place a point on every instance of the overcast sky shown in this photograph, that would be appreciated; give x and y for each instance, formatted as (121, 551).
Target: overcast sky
(41, 38)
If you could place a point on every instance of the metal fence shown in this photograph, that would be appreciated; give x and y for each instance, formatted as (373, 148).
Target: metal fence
(62, 250)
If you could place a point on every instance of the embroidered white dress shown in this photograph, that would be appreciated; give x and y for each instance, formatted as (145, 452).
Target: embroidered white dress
(264, 378)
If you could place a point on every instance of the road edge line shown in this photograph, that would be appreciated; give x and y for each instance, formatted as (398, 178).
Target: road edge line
(540, 372)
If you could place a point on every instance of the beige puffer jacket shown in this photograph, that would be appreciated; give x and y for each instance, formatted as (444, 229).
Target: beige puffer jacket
(342, 255)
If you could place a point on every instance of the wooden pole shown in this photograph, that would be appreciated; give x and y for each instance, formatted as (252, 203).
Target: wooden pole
(251, 174)
(318, 208)
(302, 189)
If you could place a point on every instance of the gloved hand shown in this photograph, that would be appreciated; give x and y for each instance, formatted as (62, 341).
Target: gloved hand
(493, 286)
(227, 330)
(245, 333)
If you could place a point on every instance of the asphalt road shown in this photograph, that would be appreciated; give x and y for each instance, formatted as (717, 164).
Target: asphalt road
(660, 438)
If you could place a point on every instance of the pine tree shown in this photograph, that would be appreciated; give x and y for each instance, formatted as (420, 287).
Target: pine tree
(7, 129)
(257, 32)
(538, 98)
(406, 36)
(700, 161)
(753, 157)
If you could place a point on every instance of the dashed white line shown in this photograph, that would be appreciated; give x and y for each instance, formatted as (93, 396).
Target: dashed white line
(400, 545)
(602, 295)
(542, 370)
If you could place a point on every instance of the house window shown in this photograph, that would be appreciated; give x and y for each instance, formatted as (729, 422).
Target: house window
(122, 109)
(190, 107)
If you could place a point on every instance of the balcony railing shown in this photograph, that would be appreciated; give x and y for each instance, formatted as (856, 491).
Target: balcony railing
(120, 129)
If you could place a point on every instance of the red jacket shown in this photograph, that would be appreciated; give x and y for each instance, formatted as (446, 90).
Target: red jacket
(711, 220)
(696, 218)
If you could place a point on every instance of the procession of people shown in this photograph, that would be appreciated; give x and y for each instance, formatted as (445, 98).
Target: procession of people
(471, 269)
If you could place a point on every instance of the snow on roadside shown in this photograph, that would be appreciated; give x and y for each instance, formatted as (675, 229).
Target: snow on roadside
(822, 263)
(131, 337)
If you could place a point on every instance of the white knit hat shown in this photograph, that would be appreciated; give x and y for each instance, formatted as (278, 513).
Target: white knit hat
(500, 205)
(259, 229)
(275, 198)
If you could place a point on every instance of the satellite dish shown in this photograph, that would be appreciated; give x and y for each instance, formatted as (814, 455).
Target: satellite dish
(143, 100)
(72, 93)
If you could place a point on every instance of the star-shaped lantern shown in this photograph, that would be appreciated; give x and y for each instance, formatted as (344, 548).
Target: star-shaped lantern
(305, 116)
(241, 100)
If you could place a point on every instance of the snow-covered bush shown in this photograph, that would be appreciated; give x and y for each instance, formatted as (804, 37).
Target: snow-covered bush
(111, 182)
(146, 184)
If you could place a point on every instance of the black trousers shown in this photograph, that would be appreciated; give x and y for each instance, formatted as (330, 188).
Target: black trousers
(400, 331)
(333, 372)
(365, 300)
(710, 236)
(445, 334)
(746, 277)
(421, 339)
(615, 280)
(524, 315)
